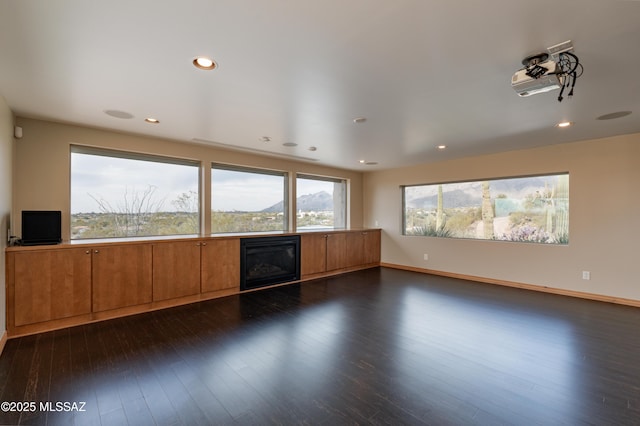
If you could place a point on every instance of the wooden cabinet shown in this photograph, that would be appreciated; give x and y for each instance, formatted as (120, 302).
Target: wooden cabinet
(355, 246)
(220, 267)
(337, 251)
(121, 276)
(334, 251)
(313, 253)
(58, 286)
(363, 248)
(51, 284)
(176, 269)
(372, 246)
(193, 267)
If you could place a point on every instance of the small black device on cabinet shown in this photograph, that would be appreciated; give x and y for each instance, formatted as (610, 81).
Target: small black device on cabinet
(41, 227)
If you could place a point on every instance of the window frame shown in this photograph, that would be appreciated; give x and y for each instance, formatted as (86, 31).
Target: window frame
(563, 240)
(343, 181)
(135, 156)
(258, 171)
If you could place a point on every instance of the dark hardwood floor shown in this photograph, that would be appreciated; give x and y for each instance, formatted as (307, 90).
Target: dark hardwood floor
(379, 346)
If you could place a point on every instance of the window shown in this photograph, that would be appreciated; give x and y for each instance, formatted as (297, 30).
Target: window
(119, 194)
(247, 200)
(527, 209)
(320, 202)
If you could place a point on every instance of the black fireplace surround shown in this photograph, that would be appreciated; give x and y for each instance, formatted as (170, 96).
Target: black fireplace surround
(269, 260)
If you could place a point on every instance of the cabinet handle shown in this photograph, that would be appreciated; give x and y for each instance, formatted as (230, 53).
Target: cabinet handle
(204, 244)
(87, 252)
(96, 251)
(198, 244)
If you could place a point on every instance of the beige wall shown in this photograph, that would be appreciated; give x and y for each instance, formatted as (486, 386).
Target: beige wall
(604, 175)
(6, 154)
(604, 218)
(42, 165)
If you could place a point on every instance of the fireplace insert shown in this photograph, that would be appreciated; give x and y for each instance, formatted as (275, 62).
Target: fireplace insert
(269, 260)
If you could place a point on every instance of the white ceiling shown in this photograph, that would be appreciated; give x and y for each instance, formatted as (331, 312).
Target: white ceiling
(423, 72)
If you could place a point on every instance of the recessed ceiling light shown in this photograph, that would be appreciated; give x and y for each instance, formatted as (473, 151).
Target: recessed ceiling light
(371, 163)
(265, 139)
(204, 63)
(362, 161)
(564, 124)
(442, 147)
(152, 120)
(312, 148)
(359, 120)
(290, 144)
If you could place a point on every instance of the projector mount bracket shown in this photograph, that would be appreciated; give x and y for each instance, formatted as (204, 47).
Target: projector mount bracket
(534, 60)
(533, 67)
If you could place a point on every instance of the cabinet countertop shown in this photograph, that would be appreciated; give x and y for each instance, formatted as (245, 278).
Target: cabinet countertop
(175, 238)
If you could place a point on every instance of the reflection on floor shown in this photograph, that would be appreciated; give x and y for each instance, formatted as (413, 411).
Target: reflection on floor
(379, 346)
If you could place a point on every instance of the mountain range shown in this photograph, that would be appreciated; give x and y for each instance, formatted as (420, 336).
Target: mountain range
(467, 194)
(320, 201)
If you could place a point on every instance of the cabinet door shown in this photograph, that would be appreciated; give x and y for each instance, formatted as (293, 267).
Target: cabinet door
(371, 246)
(313, 253)
(355, 249)
(121, 276)
(176, 269)
(336, 251)
(51, 284)
(220, 265)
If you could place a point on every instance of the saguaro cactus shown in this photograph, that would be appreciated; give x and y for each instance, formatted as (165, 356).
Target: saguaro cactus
(440, 211)
(487, 211)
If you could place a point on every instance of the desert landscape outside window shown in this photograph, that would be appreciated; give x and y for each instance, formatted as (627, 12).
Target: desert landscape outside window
(245, 199)
(321, 202)
(533, 209)
(120, 194)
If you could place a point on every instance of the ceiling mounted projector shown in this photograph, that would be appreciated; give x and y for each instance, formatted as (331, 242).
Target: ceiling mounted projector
(539, 75)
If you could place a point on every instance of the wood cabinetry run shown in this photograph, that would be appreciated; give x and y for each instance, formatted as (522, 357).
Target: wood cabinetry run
(339, 251)
(50, 287)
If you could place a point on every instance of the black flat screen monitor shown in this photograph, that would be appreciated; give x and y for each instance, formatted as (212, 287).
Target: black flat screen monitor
(41, 227)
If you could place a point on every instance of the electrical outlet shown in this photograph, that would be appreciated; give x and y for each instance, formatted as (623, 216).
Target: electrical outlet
(586, 275)
(426, 256)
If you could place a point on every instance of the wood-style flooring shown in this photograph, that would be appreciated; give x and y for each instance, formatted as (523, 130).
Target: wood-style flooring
(379, 346)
